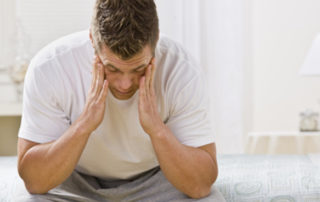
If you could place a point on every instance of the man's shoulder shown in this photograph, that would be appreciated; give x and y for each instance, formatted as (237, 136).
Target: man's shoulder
(173, 55)
(60, 48)
(168, 46)
(177, 67)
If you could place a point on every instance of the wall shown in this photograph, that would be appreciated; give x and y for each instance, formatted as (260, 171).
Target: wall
(8, 125)
(278, 35)
(37, 23)
(282, 32)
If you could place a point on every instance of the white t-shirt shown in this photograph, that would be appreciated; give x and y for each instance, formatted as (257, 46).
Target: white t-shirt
(56, 86)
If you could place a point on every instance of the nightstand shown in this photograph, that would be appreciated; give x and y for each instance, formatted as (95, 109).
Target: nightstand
(10, 117)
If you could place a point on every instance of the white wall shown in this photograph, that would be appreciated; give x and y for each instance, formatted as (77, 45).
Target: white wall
(278, 35)
(282, 32)
(37, 23)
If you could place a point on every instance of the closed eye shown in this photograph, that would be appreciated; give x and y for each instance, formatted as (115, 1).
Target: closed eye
(141, 69)
(111, 69)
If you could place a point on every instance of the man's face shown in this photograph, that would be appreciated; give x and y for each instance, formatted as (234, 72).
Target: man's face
(124, 75)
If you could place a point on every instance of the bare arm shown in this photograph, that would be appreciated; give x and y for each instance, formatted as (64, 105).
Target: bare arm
(191, 170)
(45, 166)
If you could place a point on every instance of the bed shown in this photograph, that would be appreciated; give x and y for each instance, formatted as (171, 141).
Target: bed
(254, 178)
(274, 178)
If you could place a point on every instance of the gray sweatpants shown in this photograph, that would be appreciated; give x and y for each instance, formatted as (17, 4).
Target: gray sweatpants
(151, 186)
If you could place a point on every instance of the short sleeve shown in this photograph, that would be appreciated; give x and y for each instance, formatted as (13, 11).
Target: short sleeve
(42, 118)
(189, 114)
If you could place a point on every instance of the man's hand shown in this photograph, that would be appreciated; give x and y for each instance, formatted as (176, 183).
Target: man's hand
(148, 111)
(191, 170)
(94, 109)
(40, 174)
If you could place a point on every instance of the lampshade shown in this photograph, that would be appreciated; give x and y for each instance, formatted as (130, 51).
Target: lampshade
(311, 65)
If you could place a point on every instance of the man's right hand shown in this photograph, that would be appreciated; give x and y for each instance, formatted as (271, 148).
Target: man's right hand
(94, 109)
(37, 163)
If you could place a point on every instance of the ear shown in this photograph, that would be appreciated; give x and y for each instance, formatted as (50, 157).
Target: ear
(92, 42)
(90, 35)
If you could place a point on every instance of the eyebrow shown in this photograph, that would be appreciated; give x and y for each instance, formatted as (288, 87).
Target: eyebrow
(135, 69)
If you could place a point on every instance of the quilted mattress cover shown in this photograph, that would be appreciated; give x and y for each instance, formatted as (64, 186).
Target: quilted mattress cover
(252, 178)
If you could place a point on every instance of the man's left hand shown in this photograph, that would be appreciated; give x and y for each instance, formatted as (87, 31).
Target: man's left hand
(148, 111)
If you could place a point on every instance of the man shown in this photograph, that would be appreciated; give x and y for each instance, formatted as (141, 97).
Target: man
(116, 114)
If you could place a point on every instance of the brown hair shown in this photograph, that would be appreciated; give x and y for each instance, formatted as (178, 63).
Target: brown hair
(125, 26)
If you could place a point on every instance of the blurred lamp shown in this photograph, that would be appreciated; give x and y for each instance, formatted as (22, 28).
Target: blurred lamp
(311, 65)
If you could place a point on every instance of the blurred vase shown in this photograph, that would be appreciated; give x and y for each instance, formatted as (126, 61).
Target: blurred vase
(308, 121)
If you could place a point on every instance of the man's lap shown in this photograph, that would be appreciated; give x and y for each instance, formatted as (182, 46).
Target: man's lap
(150, 186)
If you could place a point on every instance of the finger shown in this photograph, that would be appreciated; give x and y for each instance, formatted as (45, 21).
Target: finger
(98, 59)
(99, 80)
(104, 91)
(142, 94)
(101, 76)
(94, 72)
(153, 70)
(147, 79)
(142, 89)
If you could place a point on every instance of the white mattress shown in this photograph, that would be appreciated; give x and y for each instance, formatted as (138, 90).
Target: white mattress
(9, 178)
(263, 178)
(252, 178)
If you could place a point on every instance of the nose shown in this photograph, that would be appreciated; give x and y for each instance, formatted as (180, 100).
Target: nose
(125, 82)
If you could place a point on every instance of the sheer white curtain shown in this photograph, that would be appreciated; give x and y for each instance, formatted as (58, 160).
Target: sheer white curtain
(28, 25)
(213, 31)
(7, 32)
(44, 21)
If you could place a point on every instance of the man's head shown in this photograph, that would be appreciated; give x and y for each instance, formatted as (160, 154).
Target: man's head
(124, 34)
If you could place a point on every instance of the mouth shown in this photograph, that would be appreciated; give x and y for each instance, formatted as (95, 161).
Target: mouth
(124, 92)
(122, 95)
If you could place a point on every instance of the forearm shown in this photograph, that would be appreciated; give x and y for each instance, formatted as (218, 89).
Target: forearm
(191, 170)
(45, 166)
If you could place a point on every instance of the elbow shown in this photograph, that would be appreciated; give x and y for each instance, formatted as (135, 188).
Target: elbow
(199, 192)
(202, 189)
(36, 188)
(33, 186)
